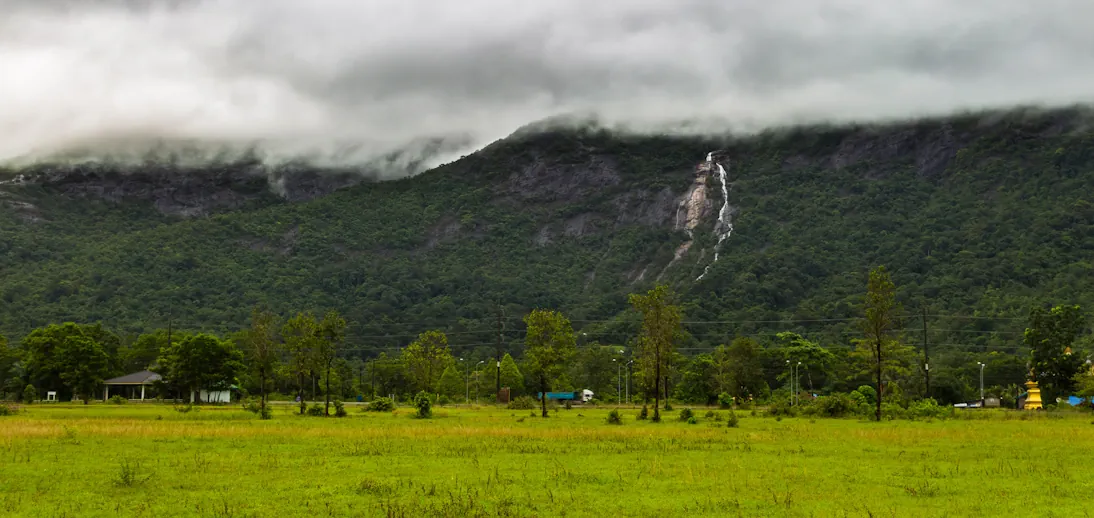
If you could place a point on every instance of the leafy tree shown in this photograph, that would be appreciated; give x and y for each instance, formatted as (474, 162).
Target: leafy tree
(595, 369)
(142, 353)
(43, 349)
(1050, 335)
(746, 371)
(426, 358)
(84, 365)
(9, 358)
(548, 344)
(815, 360)
(301, 335)
(660, 331)
(332, 335)
(880, 323)
(698, 381)
(199, 362)
(263, 350)
(511, 376)
(451, 383)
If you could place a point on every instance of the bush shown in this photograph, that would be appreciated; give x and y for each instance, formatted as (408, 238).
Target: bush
(709, 414)
(644, 413)
(782, 409)
(442, 400)
(732, 421)
(868, 393)
(567, 405)
(265, 413)
(614, 417)
(118, 400)
(668, 406)
(252, 405)
(686, 414)
(316, 410)
(893, 411)
(30, 394)
(380, 404)
(927, 409)
(523, 403)
(6, 410)
(424, 406)
(339, 408)
(836, 405)
(693, 420)
(186, 409)
(725, 401)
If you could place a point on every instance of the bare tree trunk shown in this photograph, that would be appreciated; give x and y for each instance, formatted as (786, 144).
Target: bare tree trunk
(657, 390)
(327, 408)
(543, 394)
(878, 411)
(300, 394)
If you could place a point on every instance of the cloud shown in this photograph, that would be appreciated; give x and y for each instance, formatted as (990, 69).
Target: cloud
(349, 81)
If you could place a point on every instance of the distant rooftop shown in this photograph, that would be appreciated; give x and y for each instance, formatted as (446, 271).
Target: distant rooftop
(137, 378)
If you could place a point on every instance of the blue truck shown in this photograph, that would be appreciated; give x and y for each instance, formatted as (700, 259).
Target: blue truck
(581, 396)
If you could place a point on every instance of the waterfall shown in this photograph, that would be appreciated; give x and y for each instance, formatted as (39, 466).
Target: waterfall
(724, 227)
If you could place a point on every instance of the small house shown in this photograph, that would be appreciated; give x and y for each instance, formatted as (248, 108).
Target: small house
(131, 386)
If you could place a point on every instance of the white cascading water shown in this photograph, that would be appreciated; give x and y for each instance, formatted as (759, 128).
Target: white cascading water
(724, 227)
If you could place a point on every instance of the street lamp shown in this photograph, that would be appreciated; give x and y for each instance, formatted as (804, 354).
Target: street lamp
(981, 364)
(797, 381)
(629, 381)
(467, 378)
(618, 385)
(790, 375)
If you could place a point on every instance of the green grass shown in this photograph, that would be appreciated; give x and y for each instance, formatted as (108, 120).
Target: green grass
(149, 460)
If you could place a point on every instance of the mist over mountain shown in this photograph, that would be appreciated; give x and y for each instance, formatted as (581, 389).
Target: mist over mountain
(344, 83)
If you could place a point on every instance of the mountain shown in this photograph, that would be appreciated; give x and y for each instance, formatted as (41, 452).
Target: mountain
(977, 215)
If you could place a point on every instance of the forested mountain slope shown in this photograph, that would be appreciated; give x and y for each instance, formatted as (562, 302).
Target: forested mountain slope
(975, 215)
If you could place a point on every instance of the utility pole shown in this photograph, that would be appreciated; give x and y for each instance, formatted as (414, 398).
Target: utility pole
(926, 356)
(497, 353)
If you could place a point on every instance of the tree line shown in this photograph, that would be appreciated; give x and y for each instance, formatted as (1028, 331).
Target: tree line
(306, 357)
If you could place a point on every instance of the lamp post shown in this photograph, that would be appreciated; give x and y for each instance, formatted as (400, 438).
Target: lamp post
(629, 381)
(468, 383)
(790, 375)
(797, 381)
(618, 385)
(981, 364)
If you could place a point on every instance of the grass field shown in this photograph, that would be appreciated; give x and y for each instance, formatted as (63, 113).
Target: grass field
(150, 460)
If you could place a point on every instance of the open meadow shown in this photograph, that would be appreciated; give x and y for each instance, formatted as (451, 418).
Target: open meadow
(151, 460)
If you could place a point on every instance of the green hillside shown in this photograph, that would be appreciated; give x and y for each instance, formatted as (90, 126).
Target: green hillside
(976, 216)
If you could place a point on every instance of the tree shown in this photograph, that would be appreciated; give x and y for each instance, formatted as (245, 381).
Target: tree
(698, 381)
(84, 364)
(660, 331)
(597, 368)
(43, 353)
(301, 334)
(10, 357)
(332, 335)
(511, 376)
(451, 384)
(880, 323)
(426, 358)
(263, 349)
(746, 371)
(548, 344)
(199, 362)
(143, 352)
(1050, 335)
(814, 358)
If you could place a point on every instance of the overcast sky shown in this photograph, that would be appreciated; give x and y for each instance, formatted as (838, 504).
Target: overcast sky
(325, 76)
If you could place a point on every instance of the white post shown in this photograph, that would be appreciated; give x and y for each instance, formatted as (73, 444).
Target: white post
(142, 392)
(106, 393)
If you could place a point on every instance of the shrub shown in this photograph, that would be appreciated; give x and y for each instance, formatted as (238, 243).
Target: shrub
(442, 400)
(868, 393)
(693, 420)
(718, 417)
(6, 409)
(686, 414)
(339, 408)
(782, 409)
(523, 403)
(836, 405)
(927, 409)
(424, 406)
(30, 394)
(732, 421)
(380, 404)
(709, 414)
(893, 411)
(315, 410)
(644, 413)
(614, 417)
(265, 412)
(744, 405)
(185, 409)
(668, 406)
(567, 405)
(118, 400)
(252, 405)
(725, 401)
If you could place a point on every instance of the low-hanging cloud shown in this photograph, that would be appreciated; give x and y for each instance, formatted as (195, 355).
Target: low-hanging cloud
(345, 82)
